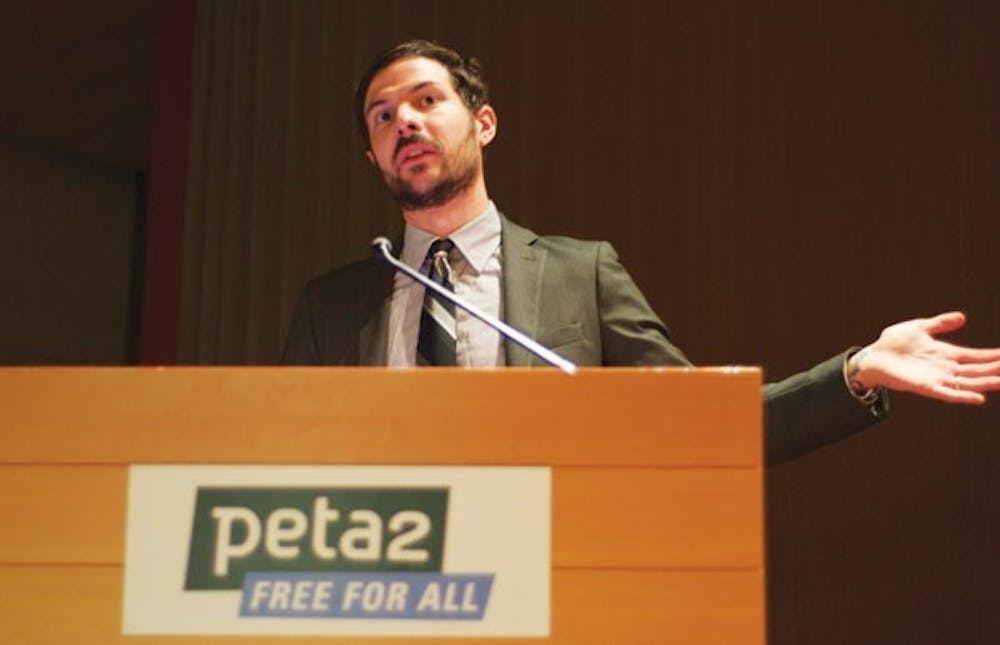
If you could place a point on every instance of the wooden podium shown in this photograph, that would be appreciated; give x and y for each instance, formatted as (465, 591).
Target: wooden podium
(657, 476)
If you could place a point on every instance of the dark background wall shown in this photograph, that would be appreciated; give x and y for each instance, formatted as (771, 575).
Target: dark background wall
(782, 179)
(75, 103)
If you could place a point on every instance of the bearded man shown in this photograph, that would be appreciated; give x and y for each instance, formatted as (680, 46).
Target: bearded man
(424, 114)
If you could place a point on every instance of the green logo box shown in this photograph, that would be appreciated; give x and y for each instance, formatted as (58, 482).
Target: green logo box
(238, 530)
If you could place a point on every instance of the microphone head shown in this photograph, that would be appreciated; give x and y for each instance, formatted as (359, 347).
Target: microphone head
(381, 246)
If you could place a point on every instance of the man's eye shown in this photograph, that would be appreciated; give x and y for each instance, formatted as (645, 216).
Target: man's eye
(429, 100)
(382, 117)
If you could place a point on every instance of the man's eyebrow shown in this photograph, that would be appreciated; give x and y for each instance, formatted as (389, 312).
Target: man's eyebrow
(374, 104)
(416, 88)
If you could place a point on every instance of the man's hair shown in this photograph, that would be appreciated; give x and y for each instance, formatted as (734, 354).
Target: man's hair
(466, 76)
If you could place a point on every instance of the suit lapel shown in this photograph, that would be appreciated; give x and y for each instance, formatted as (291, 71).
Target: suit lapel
(523, 264)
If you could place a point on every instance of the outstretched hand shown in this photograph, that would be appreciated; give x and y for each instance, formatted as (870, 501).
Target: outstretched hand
(907, 357)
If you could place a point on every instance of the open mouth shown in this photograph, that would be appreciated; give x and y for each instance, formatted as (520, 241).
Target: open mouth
(414, 153)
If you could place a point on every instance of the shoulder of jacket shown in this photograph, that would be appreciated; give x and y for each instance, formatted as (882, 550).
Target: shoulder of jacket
(515, 233)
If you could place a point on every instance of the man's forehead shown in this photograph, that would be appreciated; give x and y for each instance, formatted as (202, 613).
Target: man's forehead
(405, 74)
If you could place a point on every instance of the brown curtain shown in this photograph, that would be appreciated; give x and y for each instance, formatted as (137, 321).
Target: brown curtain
(782, 179)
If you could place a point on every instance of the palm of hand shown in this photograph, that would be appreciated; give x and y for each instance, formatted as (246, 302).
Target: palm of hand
(908, 357)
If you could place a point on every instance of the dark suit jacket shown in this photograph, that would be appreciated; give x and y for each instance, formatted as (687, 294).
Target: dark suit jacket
(576, 298)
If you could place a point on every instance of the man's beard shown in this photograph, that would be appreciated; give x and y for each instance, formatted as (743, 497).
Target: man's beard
(458, 172)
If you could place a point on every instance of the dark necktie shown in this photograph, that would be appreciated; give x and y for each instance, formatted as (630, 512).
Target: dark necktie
(436, 343)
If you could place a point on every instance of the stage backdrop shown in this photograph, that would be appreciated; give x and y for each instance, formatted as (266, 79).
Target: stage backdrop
(782, 179)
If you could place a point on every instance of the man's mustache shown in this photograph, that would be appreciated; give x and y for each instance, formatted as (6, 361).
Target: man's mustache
(416, 138)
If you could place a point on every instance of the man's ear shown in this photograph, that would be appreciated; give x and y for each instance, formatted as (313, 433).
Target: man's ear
(486, 125)
(371, 157)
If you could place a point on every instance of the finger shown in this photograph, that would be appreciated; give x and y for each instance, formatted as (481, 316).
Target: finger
(974, 354)
(978, 369)
(977, 384)
(951, 395)
(944, 323)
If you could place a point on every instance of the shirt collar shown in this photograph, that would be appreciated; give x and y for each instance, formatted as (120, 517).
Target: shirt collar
(477, 240)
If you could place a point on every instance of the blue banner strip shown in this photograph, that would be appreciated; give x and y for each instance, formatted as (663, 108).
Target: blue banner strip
(420, 596)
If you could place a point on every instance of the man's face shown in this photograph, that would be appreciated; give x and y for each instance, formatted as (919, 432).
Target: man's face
(422, 136)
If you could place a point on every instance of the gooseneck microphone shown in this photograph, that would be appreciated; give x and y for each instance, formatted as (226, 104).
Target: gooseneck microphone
(383, 248)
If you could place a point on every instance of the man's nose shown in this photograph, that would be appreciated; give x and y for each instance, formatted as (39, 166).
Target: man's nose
(406, 121)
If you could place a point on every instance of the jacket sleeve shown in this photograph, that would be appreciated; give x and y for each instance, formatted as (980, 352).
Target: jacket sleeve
(801, 413)
(814, 408)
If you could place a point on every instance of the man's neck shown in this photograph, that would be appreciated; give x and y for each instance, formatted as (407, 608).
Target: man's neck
(444, 220)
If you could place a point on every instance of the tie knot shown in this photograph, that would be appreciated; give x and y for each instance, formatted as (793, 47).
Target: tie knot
(439, 266)
(438, 246)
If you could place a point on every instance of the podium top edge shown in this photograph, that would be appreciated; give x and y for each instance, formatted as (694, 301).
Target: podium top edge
(707, 369)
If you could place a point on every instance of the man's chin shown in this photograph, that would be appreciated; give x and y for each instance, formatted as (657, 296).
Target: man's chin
(414, 180)
(419, 184)
(428, 190)
(415, 169)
